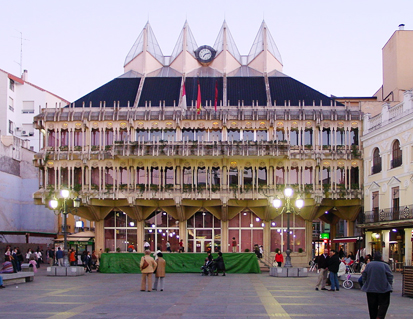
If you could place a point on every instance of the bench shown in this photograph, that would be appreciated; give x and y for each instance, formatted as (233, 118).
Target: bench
(354, 278)
(26, 267)
(19, 277)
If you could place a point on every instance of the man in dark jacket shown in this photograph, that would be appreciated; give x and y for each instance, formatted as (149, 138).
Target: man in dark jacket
(333, 266)
(377, 283)
(322, 262)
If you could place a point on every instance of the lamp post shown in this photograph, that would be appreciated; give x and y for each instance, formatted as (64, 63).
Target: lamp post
(54, 203)
(288, 208)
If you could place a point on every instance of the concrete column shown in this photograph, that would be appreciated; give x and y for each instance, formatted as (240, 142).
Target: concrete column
(367, 240)
(408, 246)
(267, 239)
(99, 235)
(182, 234)
(224, 237)
(309, 239)
(350, 232)
(386, 248)
(140, 232)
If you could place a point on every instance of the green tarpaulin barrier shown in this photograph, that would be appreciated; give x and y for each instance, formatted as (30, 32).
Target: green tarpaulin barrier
(240, 263)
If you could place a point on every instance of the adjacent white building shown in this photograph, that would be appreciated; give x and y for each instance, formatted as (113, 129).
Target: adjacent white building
(20, 100)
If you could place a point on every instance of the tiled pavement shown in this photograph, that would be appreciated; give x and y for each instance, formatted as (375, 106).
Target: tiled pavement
(188, 296)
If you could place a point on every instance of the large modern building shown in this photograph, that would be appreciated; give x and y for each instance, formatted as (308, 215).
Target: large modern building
(195, 146)
(388, 150)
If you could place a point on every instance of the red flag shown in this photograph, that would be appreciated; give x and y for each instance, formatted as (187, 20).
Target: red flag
(198, 100)
(216, 95)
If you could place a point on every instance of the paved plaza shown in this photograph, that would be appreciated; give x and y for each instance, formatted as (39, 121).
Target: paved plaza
(238, 296)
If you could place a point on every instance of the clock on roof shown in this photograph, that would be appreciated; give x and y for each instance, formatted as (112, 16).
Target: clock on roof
(205, 54)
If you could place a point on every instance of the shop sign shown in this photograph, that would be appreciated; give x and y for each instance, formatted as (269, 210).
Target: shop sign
(325, 236)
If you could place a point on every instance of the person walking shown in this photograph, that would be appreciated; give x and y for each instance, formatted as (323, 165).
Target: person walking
(219, 261)
(59, 257)
(147, 266)
(234, 245)
(72, 257)
(322, 262)
(51, 256)
(168, 246)
(377, 284)
(333, 266)
(279, 258)
(159, 273)
(181, 246)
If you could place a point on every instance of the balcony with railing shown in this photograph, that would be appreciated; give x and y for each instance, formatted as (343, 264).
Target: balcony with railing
(387, 215)
(376, 168)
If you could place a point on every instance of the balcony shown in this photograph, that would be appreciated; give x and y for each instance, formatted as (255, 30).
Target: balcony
(387, 215)
(376, 168)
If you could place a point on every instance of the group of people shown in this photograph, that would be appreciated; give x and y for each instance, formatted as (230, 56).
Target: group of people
(376, 279)
(152, 265)
(213, 266)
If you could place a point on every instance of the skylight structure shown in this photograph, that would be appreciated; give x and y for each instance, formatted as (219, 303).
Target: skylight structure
(186, 37)
(225, 39)
(146, 42)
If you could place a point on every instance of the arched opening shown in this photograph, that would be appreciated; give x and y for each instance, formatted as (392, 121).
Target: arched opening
(376, 161)
(396, 155)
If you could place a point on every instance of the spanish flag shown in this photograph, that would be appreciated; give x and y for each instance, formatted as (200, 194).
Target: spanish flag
(198, 100)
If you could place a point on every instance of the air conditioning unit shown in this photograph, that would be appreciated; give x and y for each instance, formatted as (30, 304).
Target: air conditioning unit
(25, 133)
(31, 133)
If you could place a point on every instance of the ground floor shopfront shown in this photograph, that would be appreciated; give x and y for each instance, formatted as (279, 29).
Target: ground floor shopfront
(395, 244)
(204, 232)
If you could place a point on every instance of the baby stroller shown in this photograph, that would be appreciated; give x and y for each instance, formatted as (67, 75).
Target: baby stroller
(208, 268)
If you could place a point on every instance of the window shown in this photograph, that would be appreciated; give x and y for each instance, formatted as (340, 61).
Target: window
(64, 134)
(77, 138)
(109, 176)
(169, 176)
(248, 135)
(326, 136)
(294, 175)
(308, 175)
(234, 135)
(396, 155)
(233, 176)
(140, 175)
(94, 179)
(201, 176)
(376, 162)
(201, 135)
(95, 137)
(279, 175)
(77, 176)
(108, 137)
(28, 107)
(308, 136)
(215, 135)
(248, 176)
(123, 135)
(294, 137)
(11, 85)
(340, 137)
(340, 176)
(187, 174)
(169, 135)
(354, 136)
(11, 127)
(395, 201)
(11, 104)
(155, 135)
(188, 135)
(279, 134)
(141, 135)
(261, 135)
(215, 176)
(262, 176)
(325, 175)
(155, 176)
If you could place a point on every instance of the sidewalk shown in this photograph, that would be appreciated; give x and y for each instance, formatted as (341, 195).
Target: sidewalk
(188, 296)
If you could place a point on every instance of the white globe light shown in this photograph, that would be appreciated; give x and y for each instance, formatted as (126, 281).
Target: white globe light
(288, 192)
(299, 203)
(65, 193)
(277, 203)
(54, 203)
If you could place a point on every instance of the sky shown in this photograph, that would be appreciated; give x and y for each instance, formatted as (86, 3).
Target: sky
(72, 47)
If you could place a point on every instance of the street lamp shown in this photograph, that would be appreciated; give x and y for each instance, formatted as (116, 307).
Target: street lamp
(288, 208)
(54, 203)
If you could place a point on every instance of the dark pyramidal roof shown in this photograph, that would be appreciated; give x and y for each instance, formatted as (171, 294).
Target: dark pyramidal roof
(166, 89)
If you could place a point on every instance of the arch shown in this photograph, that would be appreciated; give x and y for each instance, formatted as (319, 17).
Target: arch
(376, 168)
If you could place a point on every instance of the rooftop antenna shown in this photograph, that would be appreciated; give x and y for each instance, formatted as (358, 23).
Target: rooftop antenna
(21, 51)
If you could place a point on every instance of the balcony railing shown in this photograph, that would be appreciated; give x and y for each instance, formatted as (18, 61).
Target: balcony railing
(376, 168)
(396, 162)
(387, 214)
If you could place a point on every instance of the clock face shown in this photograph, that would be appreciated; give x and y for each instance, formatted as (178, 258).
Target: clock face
(205, 54)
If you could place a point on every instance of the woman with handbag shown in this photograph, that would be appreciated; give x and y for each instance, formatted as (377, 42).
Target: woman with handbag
(147, 266)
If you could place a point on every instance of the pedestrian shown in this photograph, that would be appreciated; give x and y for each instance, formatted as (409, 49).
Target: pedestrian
(261, 251)
(168, 246)
(146, 245)
(51, 256)
(7, 266)
(333, 266)
(234, 245)
(181, 246)
(28, 254)
(72, 257)
(147, 266)
(38, 255)
(279, 258)
(377, 284)
(59, 257)
(159, 273)
(220, 265)
(88, 262)
(322, 262)
(20, 258)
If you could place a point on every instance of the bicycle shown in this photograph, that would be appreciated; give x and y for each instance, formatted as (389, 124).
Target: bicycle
(348, 283)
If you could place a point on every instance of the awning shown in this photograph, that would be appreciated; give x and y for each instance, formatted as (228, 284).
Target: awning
(347, 239)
